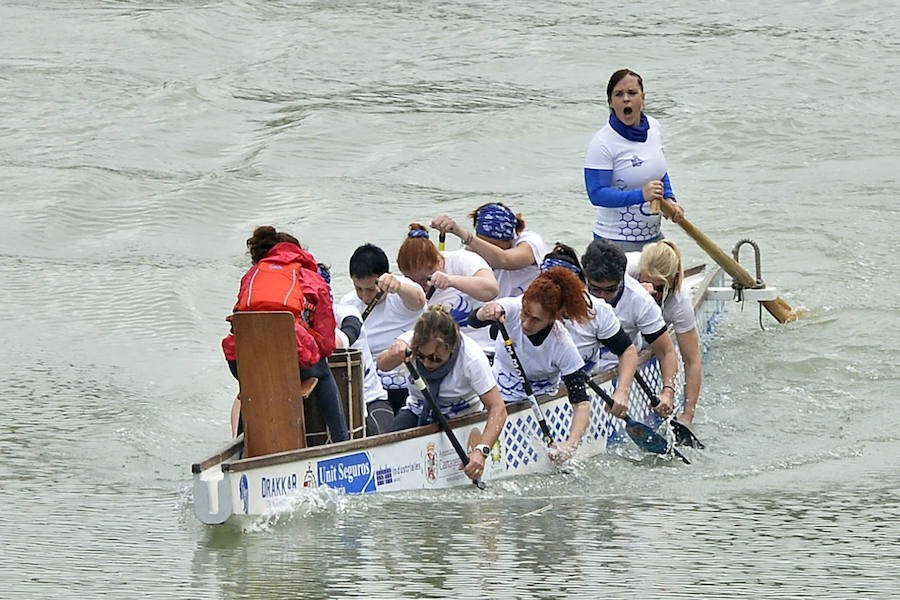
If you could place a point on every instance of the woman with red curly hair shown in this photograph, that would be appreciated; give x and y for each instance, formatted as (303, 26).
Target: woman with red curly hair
(543, 345)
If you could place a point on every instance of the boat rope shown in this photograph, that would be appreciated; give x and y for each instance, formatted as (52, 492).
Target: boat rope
(759, 284)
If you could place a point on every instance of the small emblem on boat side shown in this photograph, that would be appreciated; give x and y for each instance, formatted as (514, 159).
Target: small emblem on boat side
(309, 480)
(431, 463)
(496, 451)
(244, 489)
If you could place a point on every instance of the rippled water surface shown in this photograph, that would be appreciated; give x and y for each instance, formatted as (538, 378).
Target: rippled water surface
(141, 143)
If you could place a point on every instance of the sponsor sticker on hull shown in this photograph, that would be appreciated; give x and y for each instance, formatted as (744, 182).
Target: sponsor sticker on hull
(352, 473)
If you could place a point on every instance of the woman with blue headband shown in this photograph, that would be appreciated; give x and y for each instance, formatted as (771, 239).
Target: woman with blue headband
(500, 238)
(625, 169)
(603, 330)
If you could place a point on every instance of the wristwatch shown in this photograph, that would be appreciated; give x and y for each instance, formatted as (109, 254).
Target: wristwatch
(484, 449)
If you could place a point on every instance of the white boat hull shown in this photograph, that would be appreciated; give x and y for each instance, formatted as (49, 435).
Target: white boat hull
(226, 486)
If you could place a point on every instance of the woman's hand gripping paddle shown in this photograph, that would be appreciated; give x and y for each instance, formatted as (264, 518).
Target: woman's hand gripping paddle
(431, 404)
(683, 434)
(642, 435)
(517, 365)
(441, 245)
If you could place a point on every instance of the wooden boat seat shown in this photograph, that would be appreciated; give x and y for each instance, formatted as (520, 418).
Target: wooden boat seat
(271, 392)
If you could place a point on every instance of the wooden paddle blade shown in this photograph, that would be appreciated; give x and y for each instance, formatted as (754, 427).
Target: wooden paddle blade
(684, 436)
(644, 436)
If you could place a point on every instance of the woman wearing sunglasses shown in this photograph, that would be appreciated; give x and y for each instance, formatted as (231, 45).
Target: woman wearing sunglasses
(659, 270)
(544, 347)
(458, 376)
(605, 274)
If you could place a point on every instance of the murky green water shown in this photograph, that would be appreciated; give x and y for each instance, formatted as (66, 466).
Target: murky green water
(140, 144)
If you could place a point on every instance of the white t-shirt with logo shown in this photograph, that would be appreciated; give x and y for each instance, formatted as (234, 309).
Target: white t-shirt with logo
(638, 313)
(461, 390)
(385, 323)
(543, 364)
(587, 336)
(677, 309)
(372, 389)
(633, 164)
(515, 282)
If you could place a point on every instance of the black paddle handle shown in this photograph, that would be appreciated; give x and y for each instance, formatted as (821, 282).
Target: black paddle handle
(371, 306)
(651, 395)
(442, 420)
(600, 392)
(517, 364)
(529, 391)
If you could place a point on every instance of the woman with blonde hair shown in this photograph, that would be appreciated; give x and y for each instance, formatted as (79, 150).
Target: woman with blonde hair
(457, 374)
(660, 271)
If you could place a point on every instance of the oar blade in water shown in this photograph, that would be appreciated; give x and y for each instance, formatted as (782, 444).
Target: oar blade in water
(684, 436)
(647, 439)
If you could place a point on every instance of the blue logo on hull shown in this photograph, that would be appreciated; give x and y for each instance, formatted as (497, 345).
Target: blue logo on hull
(352, 473)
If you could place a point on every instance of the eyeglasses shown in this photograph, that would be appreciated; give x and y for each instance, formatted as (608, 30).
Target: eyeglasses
(432, 358)
(596, 290)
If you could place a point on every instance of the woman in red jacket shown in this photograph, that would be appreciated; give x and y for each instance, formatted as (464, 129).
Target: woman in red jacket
(285, 277)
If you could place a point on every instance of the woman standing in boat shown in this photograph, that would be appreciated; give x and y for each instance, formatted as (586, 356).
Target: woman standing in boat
(543, 345)
(279, 265)
(660, 271)
(400, 303)
(462, 280)
(458, 377)
(603, 332)
(500, 238)
(625, 169)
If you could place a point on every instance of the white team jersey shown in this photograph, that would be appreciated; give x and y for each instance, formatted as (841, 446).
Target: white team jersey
(677, 310)
(515, 282)
(587, 336)
(633, 164)
(461, 390)
(385, 323)
(543, 364)
(465, 264)
(372, 389)
(638, 313)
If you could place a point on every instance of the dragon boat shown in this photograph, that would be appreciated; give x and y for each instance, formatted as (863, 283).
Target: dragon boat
(240, 481)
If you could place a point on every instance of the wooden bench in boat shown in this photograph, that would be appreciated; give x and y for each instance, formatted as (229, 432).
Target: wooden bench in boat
(276, 410)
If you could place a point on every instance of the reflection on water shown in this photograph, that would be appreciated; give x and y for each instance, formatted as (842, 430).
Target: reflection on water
(565, 544)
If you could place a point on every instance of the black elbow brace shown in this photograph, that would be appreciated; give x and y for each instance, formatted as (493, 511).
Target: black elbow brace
(576, 383)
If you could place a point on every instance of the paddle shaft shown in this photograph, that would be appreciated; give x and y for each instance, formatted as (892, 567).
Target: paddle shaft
(442, 420)
(371, 306)
(442, 241)
(642, 383)
(683, 432)
(517, 365)
(778, 308)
